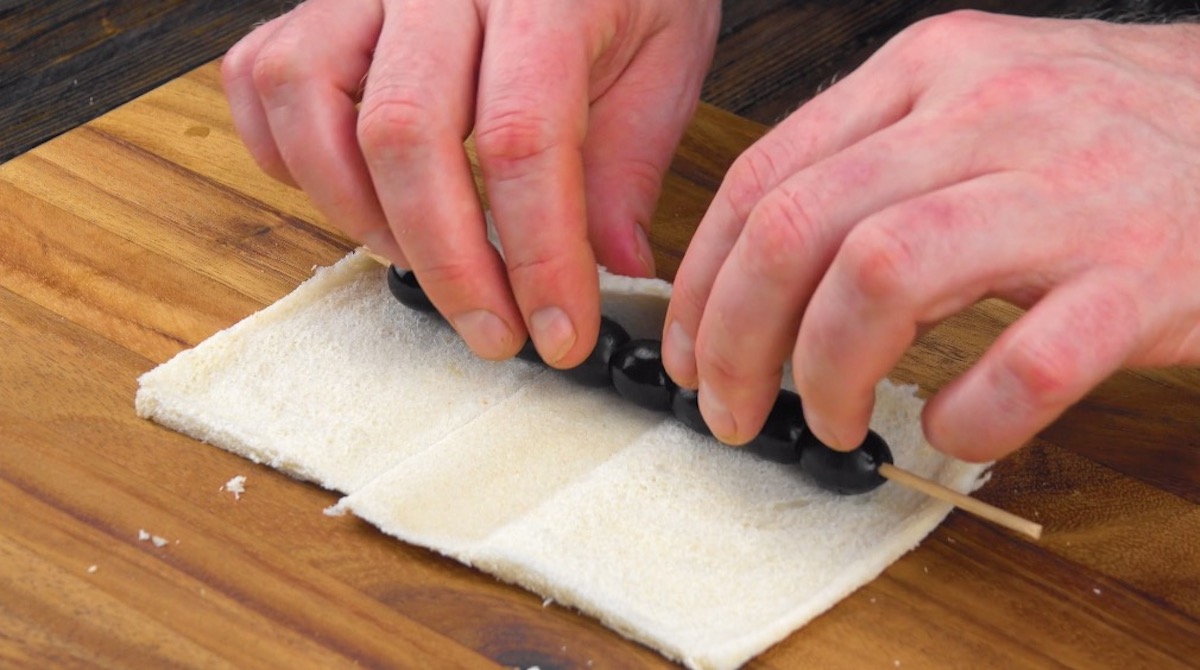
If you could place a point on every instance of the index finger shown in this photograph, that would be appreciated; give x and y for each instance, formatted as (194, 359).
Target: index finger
(530, 126)
(416, 108)
(869, 100)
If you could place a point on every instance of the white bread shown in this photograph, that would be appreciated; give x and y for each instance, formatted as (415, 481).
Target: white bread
(698, 550)
(335, 383)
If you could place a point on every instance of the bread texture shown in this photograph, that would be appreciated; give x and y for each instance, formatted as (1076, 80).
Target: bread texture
(698, 550)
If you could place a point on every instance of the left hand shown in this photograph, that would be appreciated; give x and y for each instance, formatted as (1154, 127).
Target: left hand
(1051, 163)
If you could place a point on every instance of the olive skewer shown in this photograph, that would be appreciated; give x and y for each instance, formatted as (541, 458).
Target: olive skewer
(634, 368)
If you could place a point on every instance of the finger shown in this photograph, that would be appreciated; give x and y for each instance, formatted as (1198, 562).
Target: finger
(249, 117)
(788, 241)
(308, 78)
(626, 155)
(1073, 339)
(417, 108)
(530, 127)
(868, 100)
(912, 264)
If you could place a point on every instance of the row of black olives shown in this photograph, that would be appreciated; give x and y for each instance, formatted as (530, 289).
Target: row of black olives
(634, 368)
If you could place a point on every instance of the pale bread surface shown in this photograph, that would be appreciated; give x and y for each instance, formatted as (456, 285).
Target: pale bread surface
(335, 383)
(698, 550)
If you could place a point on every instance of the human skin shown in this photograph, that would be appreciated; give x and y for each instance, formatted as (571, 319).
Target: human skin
(1054, 164)
(575, 107)
(1051, 163)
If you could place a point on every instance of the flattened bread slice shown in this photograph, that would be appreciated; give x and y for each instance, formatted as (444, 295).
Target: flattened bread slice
(698, 550)
(334, 384)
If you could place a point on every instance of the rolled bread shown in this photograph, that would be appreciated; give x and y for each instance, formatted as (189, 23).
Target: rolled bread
(698, 550)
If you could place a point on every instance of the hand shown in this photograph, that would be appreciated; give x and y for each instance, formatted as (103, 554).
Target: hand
(1054, 164)
(564, 99)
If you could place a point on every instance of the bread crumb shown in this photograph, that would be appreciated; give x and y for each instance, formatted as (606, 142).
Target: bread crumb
(872, 601)
(1096, 591)
(158, 540)
(236, 486)
(547, 602)
(92, 569)
(926, 568)
(896, 662)
(335, 509)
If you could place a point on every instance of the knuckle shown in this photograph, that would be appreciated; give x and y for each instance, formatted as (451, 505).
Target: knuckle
(539, 269)
(928, 40)
(437, 276)
(950, 26)
(880, 261)
(509, 141)
(277, 65)
(1043, 371)
(750, 178)
(779, 233)
(237, 62)
(392, 122)
(644, 178)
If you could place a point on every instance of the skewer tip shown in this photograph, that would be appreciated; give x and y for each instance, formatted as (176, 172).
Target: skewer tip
(964, 502)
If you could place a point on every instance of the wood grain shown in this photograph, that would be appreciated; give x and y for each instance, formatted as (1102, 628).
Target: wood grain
(137, 235)
(63, 62)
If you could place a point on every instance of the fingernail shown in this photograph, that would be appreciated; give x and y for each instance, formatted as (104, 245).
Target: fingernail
(552, 333)
(716, 414)
(818, 428)
(644, 253)
(484, 332)
(679, 354)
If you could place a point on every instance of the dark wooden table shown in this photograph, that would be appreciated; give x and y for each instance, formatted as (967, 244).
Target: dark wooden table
(64, 62)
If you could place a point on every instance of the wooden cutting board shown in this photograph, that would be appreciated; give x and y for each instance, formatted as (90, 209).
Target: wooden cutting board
(149, 229)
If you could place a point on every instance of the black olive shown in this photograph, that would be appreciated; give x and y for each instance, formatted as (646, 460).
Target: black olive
(846, 472)
(405, 288)
(530, 352)
(782, 437)
(638, 374)
(685, 405)
(593, 371)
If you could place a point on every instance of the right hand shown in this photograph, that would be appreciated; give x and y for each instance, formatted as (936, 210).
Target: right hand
(576, 108)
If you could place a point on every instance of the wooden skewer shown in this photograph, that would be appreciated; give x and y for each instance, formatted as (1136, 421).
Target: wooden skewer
(375, 257)
(964, 502)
